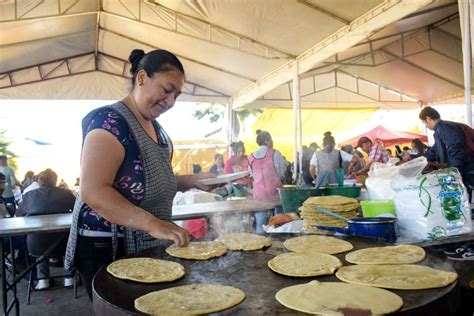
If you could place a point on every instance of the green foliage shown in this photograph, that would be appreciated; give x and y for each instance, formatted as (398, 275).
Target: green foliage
(214, 112)
(4, 143)
(217, 110)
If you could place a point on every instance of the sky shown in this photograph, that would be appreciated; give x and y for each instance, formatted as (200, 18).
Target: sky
(59, 122)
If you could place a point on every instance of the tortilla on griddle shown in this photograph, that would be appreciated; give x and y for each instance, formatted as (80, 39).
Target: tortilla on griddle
(336, 298)
(402, 277)
(300, 264)
(146, 270)
(401, 254)
(193, 299)
(244, 241)
(199, 250)
(321, 244)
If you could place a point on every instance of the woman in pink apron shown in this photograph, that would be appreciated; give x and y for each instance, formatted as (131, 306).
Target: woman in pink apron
(268, 168)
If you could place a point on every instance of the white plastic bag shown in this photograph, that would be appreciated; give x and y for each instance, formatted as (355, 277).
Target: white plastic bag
(378, 183)
(432, 206)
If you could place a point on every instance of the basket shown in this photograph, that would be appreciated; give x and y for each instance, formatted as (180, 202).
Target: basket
(292, 198)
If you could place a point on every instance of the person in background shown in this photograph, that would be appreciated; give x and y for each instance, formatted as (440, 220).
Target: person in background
(127, 181)
(238, 162)
(328, 159)
(28, 179)
(3, 205)
(33, 186)
(268, 168)
(389, 153)
(63, 184)
(306, 174)
(10, 184)
(376, 153)
(197, 169)
(313, 147)
(218, 167)
(18, 242)
(359, 164)
(450, 147)
(47, 199)
(75, 188)
(418, 148)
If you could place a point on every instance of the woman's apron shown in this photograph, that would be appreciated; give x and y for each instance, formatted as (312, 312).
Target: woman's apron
(160, 189)
(265, 177)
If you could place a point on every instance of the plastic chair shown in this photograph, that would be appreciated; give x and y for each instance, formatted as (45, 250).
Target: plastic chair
(39, 246)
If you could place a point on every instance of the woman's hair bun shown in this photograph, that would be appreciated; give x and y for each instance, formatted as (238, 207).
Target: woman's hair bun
(258, 131)
(327, 134)
(135, 56)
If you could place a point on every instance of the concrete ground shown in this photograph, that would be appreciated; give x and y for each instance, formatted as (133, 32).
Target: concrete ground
(55, 301)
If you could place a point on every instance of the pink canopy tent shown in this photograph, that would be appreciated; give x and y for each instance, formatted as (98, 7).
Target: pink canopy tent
(387, 136)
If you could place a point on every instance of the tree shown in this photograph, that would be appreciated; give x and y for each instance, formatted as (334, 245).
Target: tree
(4, 143)
(215, 111)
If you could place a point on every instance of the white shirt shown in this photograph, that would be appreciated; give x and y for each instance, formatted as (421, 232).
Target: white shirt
(31, 187)
(344, 157)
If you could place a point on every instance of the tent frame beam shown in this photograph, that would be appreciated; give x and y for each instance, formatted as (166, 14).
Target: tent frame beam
(182, 57)
(239, 37)
(65, 62)
(210, 27)
(425, 70)
(400, 37)
(347, 36)
(337, 85)
(325, 12)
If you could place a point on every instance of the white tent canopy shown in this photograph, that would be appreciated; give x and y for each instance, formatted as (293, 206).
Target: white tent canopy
(351, 53)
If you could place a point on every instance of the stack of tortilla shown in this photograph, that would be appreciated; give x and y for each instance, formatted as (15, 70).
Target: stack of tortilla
(338, 204)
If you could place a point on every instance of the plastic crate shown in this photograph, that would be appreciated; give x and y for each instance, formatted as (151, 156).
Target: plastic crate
(351, 191)
(293, 197)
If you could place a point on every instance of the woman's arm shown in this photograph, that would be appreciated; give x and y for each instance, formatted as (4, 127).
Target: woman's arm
(102, 155)
(189, 181)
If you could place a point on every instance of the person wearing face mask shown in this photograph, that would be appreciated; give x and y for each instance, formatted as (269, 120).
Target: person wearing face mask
(127, 182)
(328, 159)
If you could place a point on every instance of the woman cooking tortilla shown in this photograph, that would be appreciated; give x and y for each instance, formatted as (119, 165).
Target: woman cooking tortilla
(127, 182)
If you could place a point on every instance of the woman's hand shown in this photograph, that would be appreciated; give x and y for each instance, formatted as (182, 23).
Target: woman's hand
(189, 181)
(169, 231)
(205, 175)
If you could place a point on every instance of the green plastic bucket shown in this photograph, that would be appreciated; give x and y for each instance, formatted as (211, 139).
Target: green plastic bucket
(351, 191)
(292, 198)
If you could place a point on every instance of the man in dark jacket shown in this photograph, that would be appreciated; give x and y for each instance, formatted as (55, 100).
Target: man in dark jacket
(449, 148)
(47, 199)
